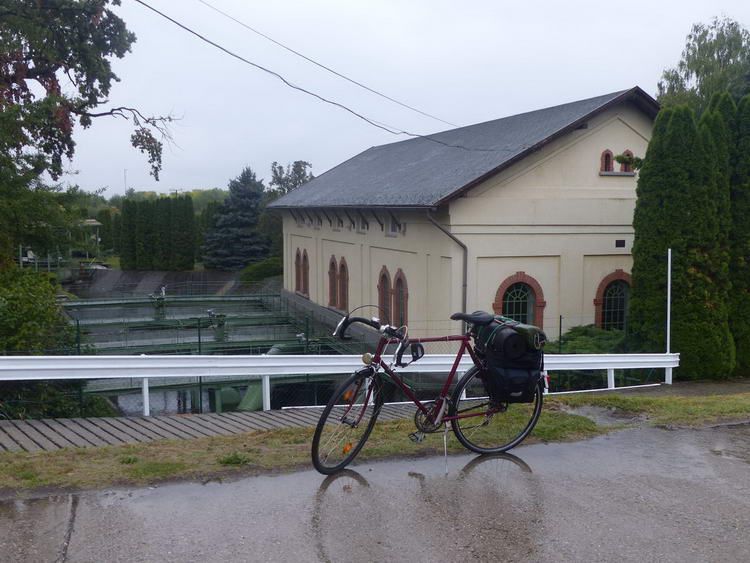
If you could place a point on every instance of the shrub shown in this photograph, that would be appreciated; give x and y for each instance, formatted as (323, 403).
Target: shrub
(587, 339)
(272, 266)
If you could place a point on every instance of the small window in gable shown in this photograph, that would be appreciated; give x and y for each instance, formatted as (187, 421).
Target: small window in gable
(606, 162)
(626, 166)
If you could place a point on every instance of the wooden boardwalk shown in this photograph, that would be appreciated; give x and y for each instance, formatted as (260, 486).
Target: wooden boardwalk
(57, 433)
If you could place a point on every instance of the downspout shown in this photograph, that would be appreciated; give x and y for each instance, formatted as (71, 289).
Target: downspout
(464, 285)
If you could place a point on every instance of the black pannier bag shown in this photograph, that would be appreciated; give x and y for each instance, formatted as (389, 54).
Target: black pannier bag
(514, 358)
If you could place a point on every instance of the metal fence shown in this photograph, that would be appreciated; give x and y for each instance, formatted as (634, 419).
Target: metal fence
(257, 374)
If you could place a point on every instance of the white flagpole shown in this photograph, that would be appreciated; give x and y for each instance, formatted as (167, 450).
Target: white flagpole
(668, 374)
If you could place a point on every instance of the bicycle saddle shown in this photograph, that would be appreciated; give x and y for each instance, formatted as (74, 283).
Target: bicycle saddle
(478, 318)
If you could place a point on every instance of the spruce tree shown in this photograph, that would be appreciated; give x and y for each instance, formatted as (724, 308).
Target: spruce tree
(677, 209)
(234, 243)
(740, 240)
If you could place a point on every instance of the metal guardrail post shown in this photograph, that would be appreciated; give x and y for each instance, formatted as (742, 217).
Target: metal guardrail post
(610, 378)
(146, 405)
(668, 376)
(266, 388)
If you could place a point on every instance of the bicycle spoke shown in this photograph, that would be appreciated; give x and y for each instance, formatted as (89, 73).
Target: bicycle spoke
(346, 423)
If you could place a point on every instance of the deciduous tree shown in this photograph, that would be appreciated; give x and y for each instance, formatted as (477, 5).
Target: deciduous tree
(716, 58)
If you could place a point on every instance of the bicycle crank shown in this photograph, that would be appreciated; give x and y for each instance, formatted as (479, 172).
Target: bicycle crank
(417, 437)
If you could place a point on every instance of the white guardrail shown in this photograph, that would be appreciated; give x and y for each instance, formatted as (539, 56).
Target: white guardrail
(30, 368)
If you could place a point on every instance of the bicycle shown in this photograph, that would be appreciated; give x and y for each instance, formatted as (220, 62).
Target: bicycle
(480, 425)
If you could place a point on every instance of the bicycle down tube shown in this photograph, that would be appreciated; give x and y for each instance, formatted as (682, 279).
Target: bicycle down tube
(465, 347)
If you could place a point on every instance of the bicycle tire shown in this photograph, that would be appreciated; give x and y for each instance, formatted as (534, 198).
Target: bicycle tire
(496, 432)
(345, 423)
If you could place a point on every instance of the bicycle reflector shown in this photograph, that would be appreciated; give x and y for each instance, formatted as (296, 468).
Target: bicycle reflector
(347, 448)
(367, 358)
(348, 395)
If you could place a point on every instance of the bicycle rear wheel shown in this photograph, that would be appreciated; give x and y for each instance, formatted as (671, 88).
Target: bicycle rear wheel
(347, 421)
(496, 432)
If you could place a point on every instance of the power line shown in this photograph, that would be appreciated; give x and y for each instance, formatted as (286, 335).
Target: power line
(388, 128)
(324, 67)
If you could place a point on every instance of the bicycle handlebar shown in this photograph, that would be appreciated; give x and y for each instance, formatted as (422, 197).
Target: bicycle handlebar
(344, 323)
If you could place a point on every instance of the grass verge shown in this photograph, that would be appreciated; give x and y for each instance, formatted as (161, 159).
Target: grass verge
(273, 450)
(669, 411)
(283, 450)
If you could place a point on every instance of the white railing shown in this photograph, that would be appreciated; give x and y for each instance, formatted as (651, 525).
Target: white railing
(29, 368)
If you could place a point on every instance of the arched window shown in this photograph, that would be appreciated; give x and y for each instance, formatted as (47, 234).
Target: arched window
(343, 286)
(521, 297)
(625, 166)
(298, 271)
(305, 273)
(611, 301)
(384, 295)
(518, 303)
(333, 283)
(606, 162)
(615, 305)
(400, 299)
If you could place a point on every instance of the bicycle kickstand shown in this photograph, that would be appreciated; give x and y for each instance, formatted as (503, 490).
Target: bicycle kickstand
(445, 447)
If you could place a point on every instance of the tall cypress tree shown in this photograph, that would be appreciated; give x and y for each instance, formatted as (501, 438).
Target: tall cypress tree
(234, 243)
(718, 142)
(162, 256)
(105, 231)
(144, 235)
(647, 313)
(127, 235)
(740, 239)
(116, 231)
(183, 233)
(677, 208)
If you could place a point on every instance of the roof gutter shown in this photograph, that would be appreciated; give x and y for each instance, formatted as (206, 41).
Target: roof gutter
(464, 285)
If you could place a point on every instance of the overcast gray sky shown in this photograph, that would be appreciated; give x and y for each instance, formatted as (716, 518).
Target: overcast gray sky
(465, 62)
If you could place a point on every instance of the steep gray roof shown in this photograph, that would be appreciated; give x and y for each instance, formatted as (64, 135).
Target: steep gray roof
(424, 172)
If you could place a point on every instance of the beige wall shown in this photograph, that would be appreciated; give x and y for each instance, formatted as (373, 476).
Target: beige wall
(552, 216)
(427, 257)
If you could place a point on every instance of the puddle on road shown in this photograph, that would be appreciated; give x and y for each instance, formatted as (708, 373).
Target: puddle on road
(604, 416)
(738, 447)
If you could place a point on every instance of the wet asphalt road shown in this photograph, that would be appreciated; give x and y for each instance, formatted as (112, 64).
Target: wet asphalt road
(637, 495)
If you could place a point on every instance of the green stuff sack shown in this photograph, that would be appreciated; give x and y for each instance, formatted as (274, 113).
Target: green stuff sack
(515, 360)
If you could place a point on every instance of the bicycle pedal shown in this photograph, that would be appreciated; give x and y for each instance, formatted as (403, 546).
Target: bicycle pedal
(417, 437)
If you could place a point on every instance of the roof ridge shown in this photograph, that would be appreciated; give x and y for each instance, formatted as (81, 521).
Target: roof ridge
(609, 97)
(427, 173)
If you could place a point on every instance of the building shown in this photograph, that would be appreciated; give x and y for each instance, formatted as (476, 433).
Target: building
(529, 215)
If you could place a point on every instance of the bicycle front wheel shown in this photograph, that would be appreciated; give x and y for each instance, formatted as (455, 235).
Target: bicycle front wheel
(347, 421)
(495, 432)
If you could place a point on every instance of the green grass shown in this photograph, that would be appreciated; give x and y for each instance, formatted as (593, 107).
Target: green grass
(273, 450)
(674, 411)
(235, 458)
(289, 449)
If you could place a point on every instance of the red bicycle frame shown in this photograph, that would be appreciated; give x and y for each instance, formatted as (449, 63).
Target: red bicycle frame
(465, 341)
